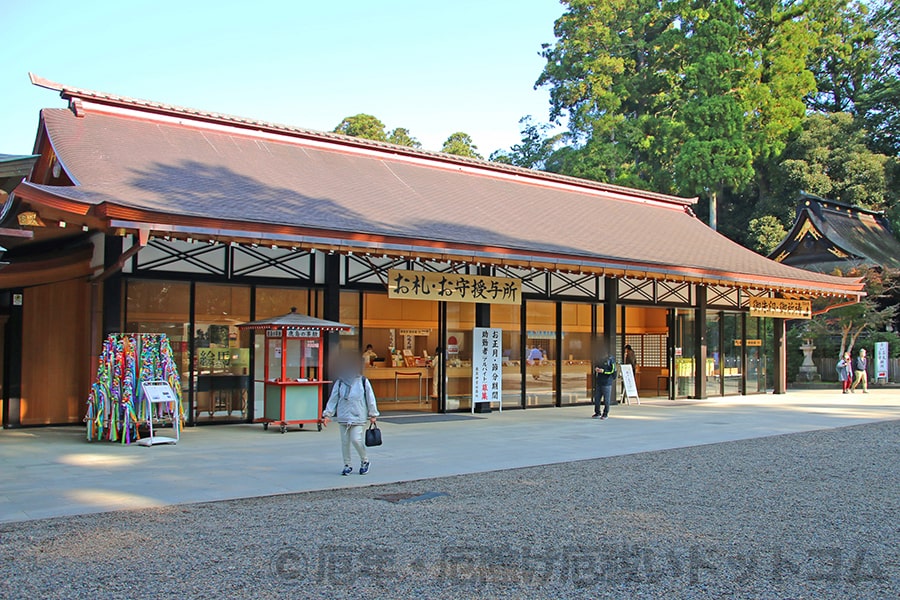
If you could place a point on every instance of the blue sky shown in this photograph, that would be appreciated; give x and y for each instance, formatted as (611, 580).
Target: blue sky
(434, 67)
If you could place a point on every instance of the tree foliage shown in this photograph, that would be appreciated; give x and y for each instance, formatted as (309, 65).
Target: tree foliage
(829, 157)
(746, 102)
(371, 128)
(766, 232)
(614, 73)
(876, 310)
(461, 144)
(715, 153)
(363, 126)
(401, 137)
(857, 68)
(535, 149)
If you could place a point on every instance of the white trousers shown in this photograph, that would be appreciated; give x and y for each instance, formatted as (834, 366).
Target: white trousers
(353, 434)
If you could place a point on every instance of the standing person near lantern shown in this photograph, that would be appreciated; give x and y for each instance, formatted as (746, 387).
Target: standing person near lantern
(859, 372)
(845, 372)
(352, 404)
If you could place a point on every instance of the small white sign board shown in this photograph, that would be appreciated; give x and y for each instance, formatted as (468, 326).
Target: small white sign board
(630, 385)
(160, 392)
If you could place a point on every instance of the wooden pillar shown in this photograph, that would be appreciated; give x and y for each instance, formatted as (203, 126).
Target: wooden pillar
(483, 319)
(12, 363)
(610, 309)
(780, 355)
(331, 310)
(483, 311)
(441, 370)
(111, 296)
(557, 373)
(700, 343)
(744, 358)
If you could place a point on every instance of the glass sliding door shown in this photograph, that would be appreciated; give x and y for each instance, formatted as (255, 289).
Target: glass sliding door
(713, 354)
(730, 369)
(683, 349)
(274, 302)
(221, 352)
(755, 355)
(541, 354)
(460, 322)
(508, 318)
(575, 361)
(163, 307)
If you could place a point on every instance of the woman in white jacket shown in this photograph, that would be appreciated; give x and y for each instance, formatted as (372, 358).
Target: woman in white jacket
(352, 405)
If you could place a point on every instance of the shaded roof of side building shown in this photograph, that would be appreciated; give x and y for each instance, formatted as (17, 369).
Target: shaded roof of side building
(139, 164)
(829, 236)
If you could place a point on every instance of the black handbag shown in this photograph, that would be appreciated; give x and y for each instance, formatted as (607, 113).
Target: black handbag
(373, 435)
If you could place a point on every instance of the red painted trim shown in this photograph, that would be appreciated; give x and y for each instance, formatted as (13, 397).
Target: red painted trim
(27, 191)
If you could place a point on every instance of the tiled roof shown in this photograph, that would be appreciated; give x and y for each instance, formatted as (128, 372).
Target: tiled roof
(167, 166)
(829, 235)
(295, 320)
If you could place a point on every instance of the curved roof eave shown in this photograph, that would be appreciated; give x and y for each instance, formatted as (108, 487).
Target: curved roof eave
(76, 202)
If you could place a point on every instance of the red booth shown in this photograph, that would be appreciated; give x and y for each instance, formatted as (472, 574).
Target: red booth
(293, 378)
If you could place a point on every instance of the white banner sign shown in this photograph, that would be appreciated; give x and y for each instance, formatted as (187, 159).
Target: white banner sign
(881, 360)
(487, 366)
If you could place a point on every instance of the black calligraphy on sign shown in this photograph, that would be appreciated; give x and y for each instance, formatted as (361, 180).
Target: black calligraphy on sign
(417, 285)
(780, 307)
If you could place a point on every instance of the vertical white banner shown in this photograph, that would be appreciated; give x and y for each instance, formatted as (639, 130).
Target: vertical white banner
(487, 366)
(881, 361)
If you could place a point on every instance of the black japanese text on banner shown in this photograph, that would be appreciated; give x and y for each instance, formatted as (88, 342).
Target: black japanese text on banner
(453, 287)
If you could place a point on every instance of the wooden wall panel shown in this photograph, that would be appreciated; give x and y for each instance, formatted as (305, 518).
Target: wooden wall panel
(56, 353)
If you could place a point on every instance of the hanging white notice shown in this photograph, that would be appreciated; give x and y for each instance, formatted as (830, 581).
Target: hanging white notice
(487, 366)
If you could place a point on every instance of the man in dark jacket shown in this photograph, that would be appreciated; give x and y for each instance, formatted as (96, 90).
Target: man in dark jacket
(604, 378)
(859, 372)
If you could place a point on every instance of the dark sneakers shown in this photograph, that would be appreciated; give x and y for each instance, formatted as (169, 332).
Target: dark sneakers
(347, 470)
(364, 468)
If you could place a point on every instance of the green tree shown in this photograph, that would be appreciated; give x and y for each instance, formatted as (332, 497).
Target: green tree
(619, 71)
(829, 157)
(779, 35)
(401, 137)
(766, 233)
(857, 67)
(870, 314)
(461, 144)
(612, 73)
(363, 126)
(535, 149)
(715, 153)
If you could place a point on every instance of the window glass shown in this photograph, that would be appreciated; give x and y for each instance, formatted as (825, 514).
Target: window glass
(163, 307)
(576, 355)
(541, 354)
(507, 317)
(221, 352)
(403, 334)
(460, 322)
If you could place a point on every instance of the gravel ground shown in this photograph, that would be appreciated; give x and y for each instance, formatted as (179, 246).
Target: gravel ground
(806, 515)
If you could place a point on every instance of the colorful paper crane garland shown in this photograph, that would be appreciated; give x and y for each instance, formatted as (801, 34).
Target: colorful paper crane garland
(114, 406)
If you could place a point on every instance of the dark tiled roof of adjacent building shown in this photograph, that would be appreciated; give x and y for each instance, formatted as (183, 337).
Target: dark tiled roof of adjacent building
(829, 237)
(138, 161)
